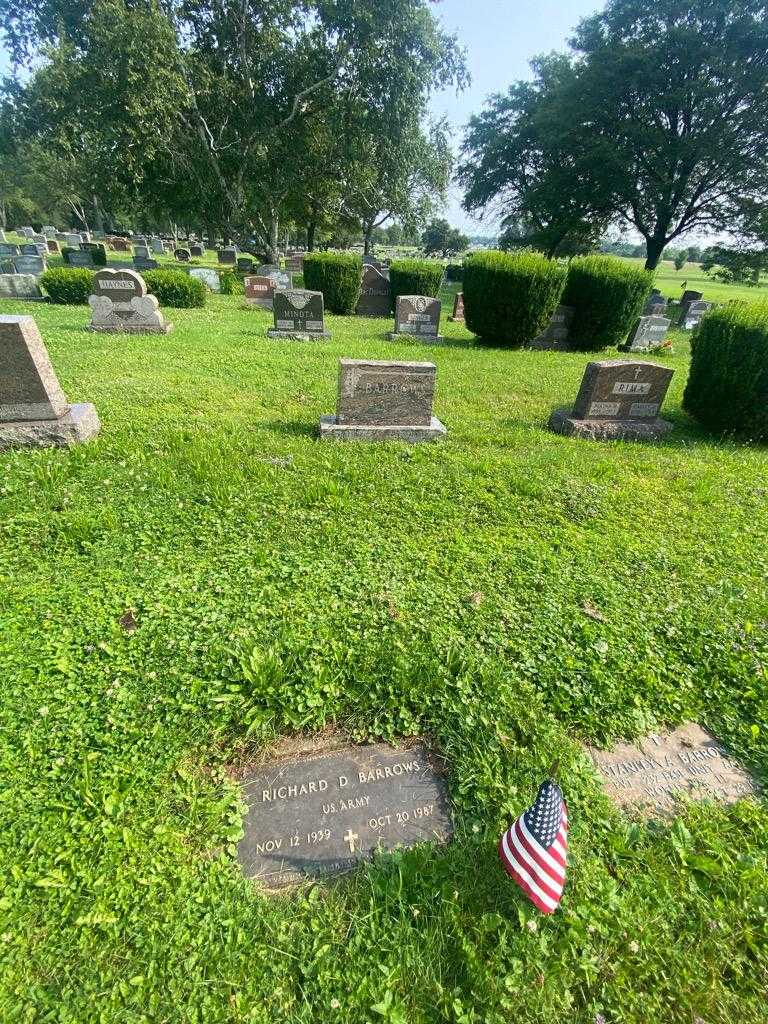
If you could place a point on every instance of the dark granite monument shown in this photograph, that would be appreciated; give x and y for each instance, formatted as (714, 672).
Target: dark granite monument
(618, 400)
(320, 813)
(384, 401)
(34, 412)
(182, 255)
(79, 258)
(299, 315)
(554, 337)
(227, 256)
(375, 294)
(417, 316)
(694, 312)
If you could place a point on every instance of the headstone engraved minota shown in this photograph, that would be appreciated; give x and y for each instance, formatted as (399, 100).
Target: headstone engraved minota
(653, 772)
(375, 293)
(618, 400)
(417, 316)
(647, 332)
(119, 302)
(457, 317)
(384, 401)
(554, 337)
(298, 314)
(34, 411)
(320, 814)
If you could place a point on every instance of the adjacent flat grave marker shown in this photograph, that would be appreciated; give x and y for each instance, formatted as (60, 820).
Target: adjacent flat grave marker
(375, 293)
(119, 302)
(298, 314)
(417, 316)
(618, 400)
(647, 332)
(320, 814)
(34, 412)
(554, 337)
(384, 401)
(650, 774)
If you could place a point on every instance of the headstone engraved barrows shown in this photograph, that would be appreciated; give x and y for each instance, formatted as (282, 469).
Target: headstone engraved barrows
(380, 400)
(618, 400)
(321, 813)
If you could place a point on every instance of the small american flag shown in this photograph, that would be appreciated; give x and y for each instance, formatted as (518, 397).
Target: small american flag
(535, 849)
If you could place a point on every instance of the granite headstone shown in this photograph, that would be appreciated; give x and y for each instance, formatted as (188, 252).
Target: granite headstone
(119, 303)
(375, 294)
(298, 314)
(417, 316)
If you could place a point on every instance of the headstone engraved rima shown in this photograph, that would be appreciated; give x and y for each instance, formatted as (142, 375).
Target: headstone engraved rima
(320, 814)
(457, 316)
(618, 400)
(119, 303)
(20, 286)
(554, 337)
(651, 774)
(648, 332)
(380, 400)
(33, 409)
(259, 291)
(298, 314)
(208, 276)
(375, 294)
(417, 316)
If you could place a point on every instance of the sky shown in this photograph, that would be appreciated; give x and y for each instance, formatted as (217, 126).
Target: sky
(500, 37)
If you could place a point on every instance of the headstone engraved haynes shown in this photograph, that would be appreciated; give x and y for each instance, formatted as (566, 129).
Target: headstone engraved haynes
(375, 294)
(653, 773)
(298, 314)
(259, 291)
(554, 337)
(457, 316)
(322, 813)
(417, 316)
(648, 332)
(618, 400)
(119, 302)
(34, 411)
(384, 401)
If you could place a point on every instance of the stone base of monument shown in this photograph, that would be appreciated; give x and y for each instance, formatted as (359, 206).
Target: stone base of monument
(130, 329)
(423, 339)
(413, 434)
(562, 422)
(456, 320)
(299, 335)
(80, 424)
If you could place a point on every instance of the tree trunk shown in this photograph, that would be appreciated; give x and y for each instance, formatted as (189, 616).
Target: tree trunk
(273, 254)
(311, 229)
(211, 234)
(654, 247)
(98, 215)
(368, 233)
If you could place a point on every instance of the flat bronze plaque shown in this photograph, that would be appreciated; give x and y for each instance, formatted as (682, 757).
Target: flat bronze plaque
(653, 772)
(320, 814)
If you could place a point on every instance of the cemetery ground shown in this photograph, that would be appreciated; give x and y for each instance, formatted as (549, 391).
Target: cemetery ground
(208, 576)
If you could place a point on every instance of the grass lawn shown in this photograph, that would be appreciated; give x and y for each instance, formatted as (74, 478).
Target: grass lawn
(670, 282)
(281, 584)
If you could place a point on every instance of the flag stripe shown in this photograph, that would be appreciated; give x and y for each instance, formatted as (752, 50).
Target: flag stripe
(534, 850)
(521, 876)
(556, 863)
(524, 860)
(532, 854)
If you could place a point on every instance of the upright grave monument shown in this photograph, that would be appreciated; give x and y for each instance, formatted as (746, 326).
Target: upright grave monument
(457, 316)
(119, 303)
(20, 286)
(259, 291)
(417, 316)
(299, 315)
(554, 337)
(384, 401)
(375, 293)
(208, 276)
(182, 255)
(33, 409)
(227, 256)
(655, 304)
(694, 312)
(79, 258)
(29, 265)
(648, 332)
(197, 251)
(618, 400)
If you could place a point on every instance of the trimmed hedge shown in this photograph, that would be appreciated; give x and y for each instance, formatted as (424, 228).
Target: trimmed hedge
(454, 272)
(176, 289)
(68, 286)
(509, 298)
(415, 277)
(607, 295)
(338, 276)
(727, 388)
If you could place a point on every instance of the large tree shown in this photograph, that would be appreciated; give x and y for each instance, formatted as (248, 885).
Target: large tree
(660, 118)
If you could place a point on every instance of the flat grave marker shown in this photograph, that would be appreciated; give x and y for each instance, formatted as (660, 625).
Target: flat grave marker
(618, 400)
(650, 774)
(381, 400)
(320, 814)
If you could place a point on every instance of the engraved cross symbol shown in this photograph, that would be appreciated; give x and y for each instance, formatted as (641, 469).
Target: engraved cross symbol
(350, 838)
(638, 371)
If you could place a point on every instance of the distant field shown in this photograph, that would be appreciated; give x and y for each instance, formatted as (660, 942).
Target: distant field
(671, 281)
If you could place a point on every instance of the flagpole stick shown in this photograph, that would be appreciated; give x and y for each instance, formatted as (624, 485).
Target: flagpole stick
(555, 767)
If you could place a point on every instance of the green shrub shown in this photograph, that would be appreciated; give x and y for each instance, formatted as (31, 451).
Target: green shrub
(337, 275)
(230, 283)
(68, 286)
(175, 288)
(454, 272)
(607, 295)
(509, 298)
(727, 387)
(415, 277)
